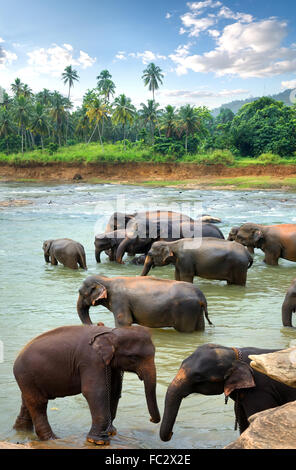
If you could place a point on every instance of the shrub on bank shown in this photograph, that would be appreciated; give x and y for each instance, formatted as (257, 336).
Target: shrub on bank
(269, 158)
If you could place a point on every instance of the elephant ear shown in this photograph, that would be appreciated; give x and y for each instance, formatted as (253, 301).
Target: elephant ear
(46, 246)
(103, 344)
(258, 236)
(170, 257)
(240, 375)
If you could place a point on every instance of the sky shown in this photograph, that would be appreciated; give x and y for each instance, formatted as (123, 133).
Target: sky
(210, 52)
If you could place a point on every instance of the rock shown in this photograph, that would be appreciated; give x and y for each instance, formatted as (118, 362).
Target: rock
(279, 365)
(15, 202)
(77, 177)
(270, 429)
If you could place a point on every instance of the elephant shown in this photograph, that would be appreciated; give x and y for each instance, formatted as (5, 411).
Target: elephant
(173, 231)
(289, 304)
(110, 241)
(87, 359)
(210, 258)
(148, 301)
(232, 237)
(68, 252)
(213, 369)
(276, 241)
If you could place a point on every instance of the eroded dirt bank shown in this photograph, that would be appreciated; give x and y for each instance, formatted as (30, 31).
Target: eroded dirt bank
(140, 172)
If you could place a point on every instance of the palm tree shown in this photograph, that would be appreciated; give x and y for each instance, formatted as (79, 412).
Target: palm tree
(123, 112)
(17, 87)
(152, 76)
(6, 125)
(69, 76)
(97, 111)
(150, 114)
(168, 120)
(39, 124)
(189, 121)
(59, 104)
(21, 112)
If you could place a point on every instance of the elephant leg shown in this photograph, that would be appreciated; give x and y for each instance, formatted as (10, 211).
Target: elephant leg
(98, 394)
(116, 387)
(187, 277)
(37, 409)
(23, 421)
(53, 260)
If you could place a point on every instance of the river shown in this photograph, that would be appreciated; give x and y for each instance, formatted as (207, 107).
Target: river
(36, 297)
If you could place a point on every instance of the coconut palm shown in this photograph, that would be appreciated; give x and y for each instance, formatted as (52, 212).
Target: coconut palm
(123, 112)
(188, 121)
(17, 87)
(152, 76)
(21, 113)
(59, 105)
(150, 114)
(70, 76)
(96, 111)
(6, 124)
(168, 120)
(39, 124)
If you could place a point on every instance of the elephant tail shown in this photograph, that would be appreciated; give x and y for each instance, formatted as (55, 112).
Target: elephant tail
(204, 307)
(82, 258)
(250, 258)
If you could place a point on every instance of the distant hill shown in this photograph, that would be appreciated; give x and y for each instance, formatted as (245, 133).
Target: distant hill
(237, 104)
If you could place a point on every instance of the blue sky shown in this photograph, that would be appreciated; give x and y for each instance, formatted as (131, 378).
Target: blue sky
(210, 51)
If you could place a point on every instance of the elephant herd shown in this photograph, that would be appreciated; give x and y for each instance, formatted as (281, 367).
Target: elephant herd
(91, 359)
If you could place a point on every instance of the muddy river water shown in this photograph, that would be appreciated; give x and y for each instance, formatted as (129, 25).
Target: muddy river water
(36, 297)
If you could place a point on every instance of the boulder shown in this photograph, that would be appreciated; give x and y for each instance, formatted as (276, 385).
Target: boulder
(279, 365)
(270, 429)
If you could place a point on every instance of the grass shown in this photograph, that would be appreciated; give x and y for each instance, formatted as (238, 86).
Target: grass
(116, 153)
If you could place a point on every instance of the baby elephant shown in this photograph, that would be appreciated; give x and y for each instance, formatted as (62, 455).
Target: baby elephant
(65, 251)
(83, 359)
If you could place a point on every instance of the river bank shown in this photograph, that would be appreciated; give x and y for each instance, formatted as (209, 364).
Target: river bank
(183, 175)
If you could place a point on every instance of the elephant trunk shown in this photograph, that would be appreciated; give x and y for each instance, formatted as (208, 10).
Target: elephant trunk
(287, 311)
(172, 404)
(98, 255)
(122, 249)
(148, 374)
(147, 265)
(83, 311)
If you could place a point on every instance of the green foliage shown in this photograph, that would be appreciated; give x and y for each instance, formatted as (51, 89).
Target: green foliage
(216, 157)
(269, 158)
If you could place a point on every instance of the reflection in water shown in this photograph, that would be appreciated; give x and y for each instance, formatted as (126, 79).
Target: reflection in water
(38, 297)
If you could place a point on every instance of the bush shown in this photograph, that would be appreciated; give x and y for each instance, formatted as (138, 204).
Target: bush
(269, 158)
(222, 157)
(52, 148)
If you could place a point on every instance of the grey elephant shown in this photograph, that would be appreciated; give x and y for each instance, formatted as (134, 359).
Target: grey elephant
(65, 251)
(83, 359)
(232, 237)
(147, 301)
(276, 241)
(210, 258)
(289, 304)
(110, 241)
(213, 369)
(172, 231)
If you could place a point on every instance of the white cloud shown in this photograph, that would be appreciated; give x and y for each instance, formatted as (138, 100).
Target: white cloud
(188, 94)
(146, 56)
(214, 33)
(243, 49)
(199, 6)
(289, 84)
(120, 55)
(53, 60)
(6, 58)
(168, 16)
(1, 40)
(225, 12)
(194, 26)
